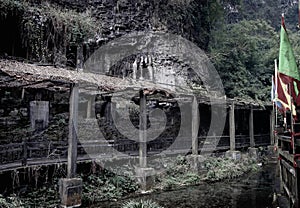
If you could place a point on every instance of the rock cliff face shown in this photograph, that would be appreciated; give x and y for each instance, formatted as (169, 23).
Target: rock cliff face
(50, 31)
(57, 31)
(188, 18)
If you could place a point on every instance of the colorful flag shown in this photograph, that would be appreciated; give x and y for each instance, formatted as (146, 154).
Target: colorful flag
(280, 94)
(288, 70)
(274, 97)
(284, 97)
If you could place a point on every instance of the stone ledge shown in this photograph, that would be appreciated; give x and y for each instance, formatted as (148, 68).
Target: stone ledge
(70, 190)
(145, 177)
(235, 155)
(253, 152)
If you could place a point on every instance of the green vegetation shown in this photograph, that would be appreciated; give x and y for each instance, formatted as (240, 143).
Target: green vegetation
(244, 54)
(44, 196)
(47, 30)
(10, 202)
(107, 186)
(224, 168)
(244, 41)
(180, 173)
(240, 36)
(104, 185)
(141, 204)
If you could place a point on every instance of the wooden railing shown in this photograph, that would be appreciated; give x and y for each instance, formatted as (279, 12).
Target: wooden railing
(26, 151)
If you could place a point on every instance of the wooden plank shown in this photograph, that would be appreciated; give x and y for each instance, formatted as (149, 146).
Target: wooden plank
(284, 138)
(232, 127)
(289, 193)
(143, 131)
(286, 155)
(195, 126)
(290, 168)
(72, 139)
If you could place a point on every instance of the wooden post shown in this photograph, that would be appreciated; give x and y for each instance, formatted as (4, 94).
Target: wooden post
(232, 127)
(272, 127)
(89, 108)
(72, 139)
(195, 126)
(142, 132)
(24, 159)
(70, 188)
(23, 93)
(251, 128)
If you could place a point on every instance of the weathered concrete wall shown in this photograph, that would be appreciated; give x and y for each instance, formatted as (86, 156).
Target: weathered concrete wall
(39, 115)
(15, 114)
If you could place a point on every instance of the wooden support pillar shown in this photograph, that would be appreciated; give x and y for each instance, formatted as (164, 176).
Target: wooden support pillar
(89, 108)
(72, 139)
(143, 174)
(251, 128)
(143, 132)
(23, 93)
(195, 126)
(272, 127)
(232, 127)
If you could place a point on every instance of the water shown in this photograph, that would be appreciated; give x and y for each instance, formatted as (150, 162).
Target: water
(254, 190)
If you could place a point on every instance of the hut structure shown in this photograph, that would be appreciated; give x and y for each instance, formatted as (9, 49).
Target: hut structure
(46, 118)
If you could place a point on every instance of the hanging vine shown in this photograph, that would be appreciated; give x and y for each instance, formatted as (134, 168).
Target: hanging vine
(47, 31)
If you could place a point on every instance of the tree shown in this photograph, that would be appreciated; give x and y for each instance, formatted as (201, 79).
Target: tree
(243, 54)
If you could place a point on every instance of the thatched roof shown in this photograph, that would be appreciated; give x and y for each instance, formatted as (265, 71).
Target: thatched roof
(20, 74)
(31, 75)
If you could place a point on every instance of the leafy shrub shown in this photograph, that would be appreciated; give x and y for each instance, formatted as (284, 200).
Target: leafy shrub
(10, 202)
(224, 168)
(107, 186)
(141, 204)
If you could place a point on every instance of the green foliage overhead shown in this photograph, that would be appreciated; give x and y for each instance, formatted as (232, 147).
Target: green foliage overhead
(244, 54)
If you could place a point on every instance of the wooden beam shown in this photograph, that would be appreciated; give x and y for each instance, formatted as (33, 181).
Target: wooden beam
(73, 129)
(195, 126)
(232, 127)
(251, 128)
(143, 131)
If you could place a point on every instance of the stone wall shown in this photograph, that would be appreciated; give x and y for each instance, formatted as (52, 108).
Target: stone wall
(118, 17)
(113, 19)
(15, 114)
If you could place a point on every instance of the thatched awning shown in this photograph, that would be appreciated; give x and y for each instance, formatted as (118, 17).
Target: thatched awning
(21, 74)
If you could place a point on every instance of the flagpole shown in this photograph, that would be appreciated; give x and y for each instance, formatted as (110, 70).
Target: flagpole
(292, 120)
(276, 94)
